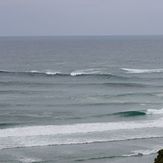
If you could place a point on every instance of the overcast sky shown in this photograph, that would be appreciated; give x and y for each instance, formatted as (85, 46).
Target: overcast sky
(81, 17)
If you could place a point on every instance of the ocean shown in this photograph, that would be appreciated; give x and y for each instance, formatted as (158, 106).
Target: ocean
(86, 99)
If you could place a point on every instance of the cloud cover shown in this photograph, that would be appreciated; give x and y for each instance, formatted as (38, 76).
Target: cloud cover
(80, 17)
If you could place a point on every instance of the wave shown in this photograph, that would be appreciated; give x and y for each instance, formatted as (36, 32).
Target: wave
(154, 111)
(78, 133)
(77, 128)
(130, 113)
(121, 114)
(144, 152)
(76, 73)
(133, 113)
(89, 72)
(137, 153)
(32, 72)
(123, 84)
(29, 160)
(139, 113)
(140, 71)
(6, 125)
(46, 72)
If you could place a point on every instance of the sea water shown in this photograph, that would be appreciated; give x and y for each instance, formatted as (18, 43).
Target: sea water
(81, 99)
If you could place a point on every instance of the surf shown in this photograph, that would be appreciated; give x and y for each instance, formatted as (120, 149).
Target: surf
(86, 72)
(78, 133)
(91, 71)
(139, 112)
(79, 128)
(141, 71)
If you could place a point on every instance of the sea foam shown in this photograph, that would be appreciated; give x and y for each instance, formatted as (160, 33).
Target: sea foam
(142, 152)
(87, 72)
(47, 72)
(154, 111)
(77, 133)
(78, 128)
(92, 71)
(139, 71)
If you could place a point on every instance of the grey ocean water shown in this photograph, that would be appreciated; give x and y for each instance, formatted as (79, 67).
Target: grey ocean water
(81, 99)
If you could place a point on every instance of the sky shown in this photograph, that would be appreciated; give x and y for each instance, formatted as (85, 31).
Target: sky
(80, 17)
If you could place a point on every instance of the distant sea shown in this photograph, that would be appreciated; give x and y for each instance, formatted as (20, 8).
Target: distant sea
(81, 99)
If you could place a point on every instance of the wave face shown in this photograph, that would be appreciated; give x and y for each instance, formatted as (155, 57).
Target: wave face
(130, 113)
(141, 71)
(77, 133)
(140, 113)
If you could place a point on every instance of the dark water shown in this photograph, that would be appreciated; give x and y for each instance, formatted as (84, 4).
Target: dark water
(81, 99)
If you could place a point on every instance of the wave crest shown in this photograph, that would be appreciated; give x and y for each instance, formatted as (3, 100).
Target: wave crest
(48, 72)
(32, 72)
(144, 152)
(140, 71)
(86, 72)
(89, 72)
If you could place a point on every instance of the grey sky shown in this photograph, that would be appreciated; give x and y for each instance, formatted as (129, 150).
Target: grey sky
(81, 17)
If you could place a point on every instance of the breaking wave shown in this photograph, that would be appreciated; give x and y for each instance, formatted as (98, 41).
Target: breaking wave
(32, 72)
(144, 152)
(87, 72)
(77, 133)
(50, 73)
(154, 111)
(137, 153)
(140, 71)
(126, 114)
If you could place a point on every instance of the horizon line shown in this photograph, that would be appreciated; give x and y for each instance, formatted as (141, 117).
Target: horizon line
(112, 35)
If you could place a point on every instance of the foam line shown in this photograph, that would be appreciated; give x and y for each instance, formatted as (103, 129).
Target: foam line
(79, 128)
(140, 71)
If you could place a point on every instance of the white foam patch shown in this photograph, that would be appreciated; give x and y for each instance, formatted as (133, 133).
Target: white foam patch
(48, 72)
(142, 152)
(92, 71)
(154, 111)
(52, 73)
(78, 128)
(34, 71)
(29, 160)
(139, 71)
(159, 94)
(145, 152)
(78, 133)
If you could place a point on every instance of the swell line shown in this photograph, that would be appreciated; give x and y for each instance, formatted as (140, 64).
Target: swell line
(48, 73)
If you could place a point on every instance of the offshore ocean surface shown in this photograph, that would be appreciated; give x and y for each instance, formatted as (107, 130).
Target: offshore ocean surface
(81, 99)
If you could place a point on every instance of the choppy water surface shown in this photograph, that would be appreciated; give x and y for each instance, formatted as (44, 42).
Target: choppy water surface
(87, 99)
